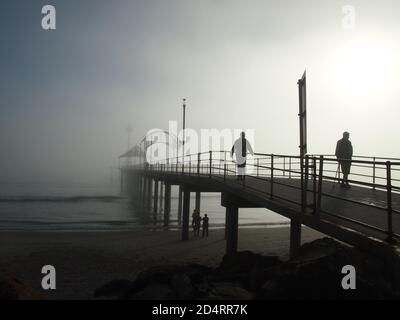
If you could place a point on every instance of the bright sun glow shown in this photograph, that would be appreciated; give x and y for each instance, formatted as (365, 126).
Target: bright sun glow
(363, 69)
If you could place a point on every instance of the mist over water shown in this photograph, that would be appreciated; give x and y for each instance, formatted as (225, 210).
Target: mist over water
(69, 94)
(99, 208)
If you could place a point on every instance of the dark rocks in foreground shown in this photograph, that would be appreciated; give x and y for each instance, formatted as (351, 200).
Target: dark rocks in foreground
(315, 274)
(12, 288)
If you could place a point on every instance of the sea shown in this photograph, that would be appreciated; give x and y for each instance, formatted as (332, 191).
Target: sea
(102, 207)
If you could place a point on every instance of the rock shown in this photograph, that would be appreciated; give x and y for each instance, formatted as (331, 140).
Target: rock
(316, 274)
(182, 286)
(197, 272)
(320, 247)
(202, 290)
(228, 291)
(163, 274)
(313, 280)
(113, 288)
(247, 268)
(154, 291)
(258, 276)
(14, 289)
(244, 261)
(158, 274)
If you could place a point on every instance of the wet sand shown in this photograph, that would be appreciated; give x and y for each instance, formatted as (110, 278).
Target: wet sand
(87, 260)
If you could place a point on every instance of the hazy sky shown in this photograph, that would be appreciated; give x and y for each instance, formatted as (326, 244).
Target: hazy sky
(66, 96)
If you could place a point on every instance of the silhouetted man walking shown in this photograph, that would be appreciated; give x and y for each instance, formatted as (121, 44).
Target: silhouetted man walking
(205, 226)
(241, 147)
(344, 151)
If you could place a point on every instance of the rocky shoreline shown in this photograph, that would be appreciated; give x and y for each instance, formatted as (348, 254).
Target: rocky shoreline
(315, 274)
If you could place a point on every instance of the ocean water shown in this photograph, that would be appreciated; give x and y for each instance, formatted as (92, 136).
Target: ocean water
(102, 208)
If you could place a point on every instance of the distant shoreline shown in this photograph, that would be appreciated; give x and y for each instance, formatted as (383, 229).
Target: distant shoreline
(150, 227)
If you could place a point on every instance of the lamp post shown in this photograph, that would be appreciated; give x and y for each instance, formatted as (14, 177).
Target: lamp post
(183, 131)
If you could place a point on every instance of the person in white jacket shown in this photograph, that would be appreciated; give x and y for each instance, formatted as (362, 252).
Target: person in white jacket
(241, 148)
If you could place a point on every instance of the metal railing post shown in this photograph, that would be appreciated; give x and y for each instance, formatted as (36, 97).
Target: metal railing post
(389, 201)
(373, 179)
(198, 164)
(224, 156)
(210, 163)
(290, 167)
(314, 184)
(321, 175)
(306, 171)
(177, 161)
(284, 166)
(219, 165)
(225, 171)
(271, 194)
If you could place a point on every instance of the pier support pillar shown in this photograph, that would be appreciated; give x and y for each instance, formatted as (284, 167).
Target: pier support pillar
(149, 194)
(226, 223)
(161, 197)
(232, 222)
(155, 199)
(141, 187)
(144, 190)
(122, 181)
(138, 194)
(198, 198)
(295, 237)
(180, 205)
(167, 204)
(185, 218)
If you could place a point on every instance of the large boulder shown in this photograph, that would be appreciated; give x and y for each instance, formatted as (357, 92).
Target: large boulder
(178, 278)
(154, 291)
(113, 288)
(317, 274)
(14, 289)
(244, 261)
(228, 291)
(182, 286)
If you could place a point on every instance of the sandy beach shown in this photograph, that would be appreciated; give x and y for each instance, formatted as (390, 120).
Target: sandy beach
(87, 260)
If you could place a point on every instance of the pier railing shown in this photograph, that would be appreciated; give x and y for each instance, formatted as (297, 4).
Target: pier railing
(376, 173)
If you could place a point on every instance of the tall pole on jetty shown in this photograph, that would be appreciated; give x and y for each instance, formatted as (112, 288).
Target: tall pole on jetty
(183, 155)
(183, 130)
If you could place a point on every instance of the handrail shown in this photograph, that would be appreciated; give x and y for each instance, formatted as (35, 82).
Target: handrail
(278, 169)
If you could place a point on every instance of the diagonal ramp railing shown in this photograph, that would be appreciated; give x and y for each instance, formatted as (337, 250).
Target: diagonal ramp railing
(376, 180)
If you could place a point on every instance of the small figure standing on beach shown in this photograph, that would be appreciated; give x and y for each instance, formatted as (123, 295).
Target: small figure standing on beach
(194, 215)
(241, 148)
(205, 226)
(344, 153)
(197, 223)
